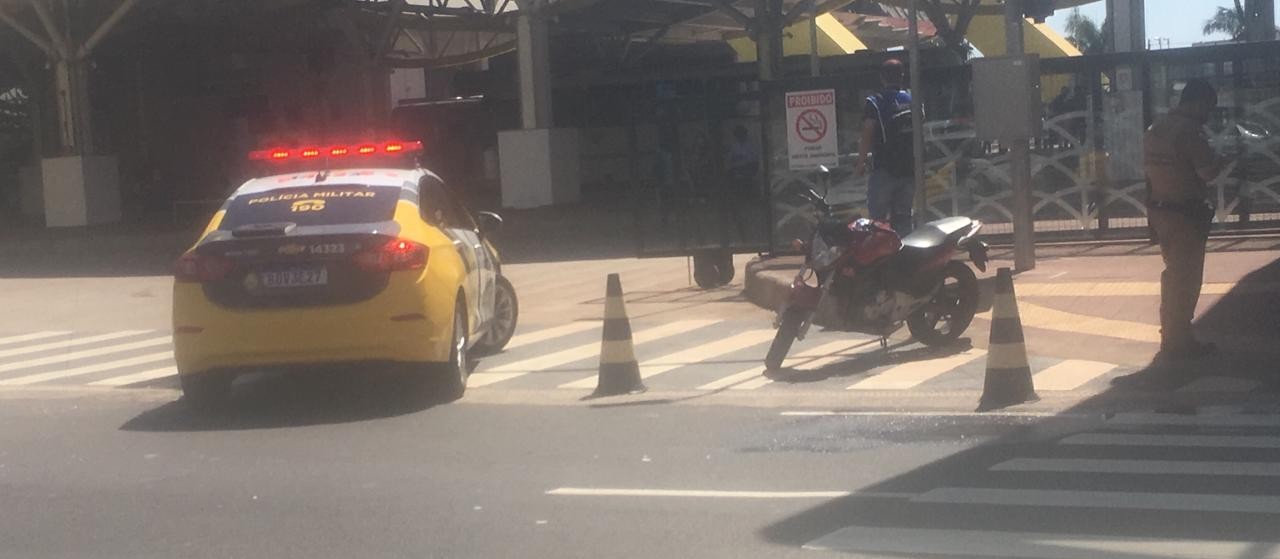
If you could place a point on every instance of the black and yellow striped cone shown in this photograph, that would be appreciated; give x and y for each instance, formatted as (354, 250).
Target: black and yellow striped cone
(1008, 379)
(619, 371)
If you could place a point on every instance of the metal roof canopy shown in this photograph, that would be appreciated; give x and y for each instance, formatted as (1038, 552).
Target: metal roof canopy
(438, 33)
(982, 7)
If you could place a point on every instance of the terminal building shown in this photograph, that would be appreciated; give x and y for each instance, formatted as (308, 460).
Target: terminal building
(138, 110)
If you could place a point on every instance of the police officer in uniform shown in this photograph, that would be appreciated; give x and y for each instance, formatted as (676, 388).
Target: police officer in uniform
(1179, 163)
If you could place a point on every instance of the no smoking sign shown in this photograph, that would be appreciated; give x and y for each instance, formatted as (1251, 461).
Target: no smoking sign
(811, 136)
(811, 126)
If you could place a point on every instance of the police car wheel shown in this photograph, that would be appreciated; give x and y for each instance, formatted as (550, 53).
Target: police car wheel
(706, 272)
(206, 391)
(506, 312)
(458, 368)
(726, 269)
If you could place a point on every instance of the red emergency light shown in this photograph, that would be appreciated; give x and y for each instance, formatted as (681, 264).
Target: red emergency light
(286, 154)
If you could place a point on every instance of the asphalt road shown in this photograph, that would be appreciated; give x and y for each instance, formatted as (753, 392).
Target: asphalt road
(334, 469)
(715, 461)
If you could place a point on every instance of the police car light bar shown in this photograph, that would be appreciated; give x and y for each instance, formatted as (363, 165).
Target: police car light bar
(385, 148)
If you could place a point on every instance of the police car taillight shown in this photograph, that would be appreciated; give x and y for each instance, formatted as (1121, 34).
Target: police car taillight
(202, 268)
(316, 152)
(396, 255)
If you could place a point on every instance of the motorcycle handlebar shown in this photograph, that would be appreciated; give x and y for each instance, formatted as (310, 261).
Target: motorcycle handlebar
(817, 200)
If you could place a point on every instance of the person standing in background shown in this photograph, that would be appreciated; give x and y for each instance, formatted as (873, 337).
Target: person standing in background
(887, 134)
(1179, 164)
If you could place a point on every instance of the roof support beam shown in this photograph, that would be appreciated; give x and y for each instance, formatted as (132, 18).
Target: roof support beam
(832, 5)
(650, 44)
(28, 34)
(798, 11)
(58, 41)
(390, 29)
(105, 28)
(745, 21)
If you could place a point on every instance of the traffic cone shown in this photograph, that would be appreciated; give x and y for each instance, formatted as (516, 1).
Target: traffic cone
(1008, 379)
(619, 371)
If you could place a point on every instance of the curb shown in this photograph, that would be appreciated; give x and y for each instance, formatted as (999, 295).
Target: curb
(768, 281)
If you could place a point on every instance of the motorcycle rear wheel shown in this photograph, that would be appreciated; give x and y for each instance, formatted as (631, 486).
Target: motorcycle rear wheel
(788, 331)
(942, 320)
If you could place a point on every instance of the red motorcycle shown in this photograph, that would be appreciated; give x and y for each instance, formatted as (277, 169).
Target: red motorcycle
(859, 276)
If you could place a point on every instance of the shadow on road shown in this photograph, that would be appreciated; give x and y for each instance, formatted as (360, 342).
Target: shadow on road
(1095, 480)
(865, 362)
(127, 250)
(1245, 325)
(266, 401)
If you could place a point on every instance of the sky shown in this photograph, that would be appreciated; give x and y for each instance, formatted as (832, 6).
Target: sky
(1179, 21)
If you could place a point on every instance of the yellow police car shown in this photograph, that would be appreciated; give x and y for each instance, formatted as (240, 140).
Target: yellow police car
(339, 263)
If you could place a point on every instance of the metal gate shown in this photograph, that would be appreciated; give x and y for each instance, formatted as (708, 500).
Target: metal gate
(1088, 181)
(1087, 172)
(696, 143)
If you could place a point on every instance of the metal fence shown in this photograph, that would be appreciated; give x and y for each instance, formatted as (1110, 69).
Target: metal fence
(663, 147)
(1088, 180)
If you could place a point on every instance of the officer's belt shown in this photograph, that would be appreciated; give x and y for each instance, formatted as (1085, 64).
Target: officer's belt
(1193, 208)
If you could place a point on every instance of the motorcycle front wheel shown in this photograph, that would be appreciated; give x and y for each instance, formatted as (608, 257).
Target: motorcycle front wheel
(943, 319)
(788, 331)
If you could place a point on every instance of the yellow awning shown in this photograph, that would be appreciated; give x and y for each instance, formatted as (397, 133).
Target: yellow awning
(833, 39)
(987, 33)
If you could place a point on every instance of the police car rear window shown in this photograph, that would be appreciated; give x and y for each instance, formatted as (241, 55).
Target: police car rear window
(313, 205)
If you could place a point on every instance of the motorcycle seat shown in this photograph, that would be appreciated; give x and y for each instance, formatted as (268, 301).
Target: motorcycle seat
(835, 231)
(935, 233)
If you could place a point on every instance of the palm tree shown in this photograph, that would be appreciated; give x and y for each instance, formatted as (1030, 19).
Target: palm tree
(1085, 34)
(1229, 21)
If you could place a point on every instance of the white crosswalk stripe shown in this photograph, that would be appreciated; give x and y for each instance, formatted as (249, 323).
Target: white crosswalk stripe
(671, 362)
(545, 334)
(1164, 467)
(1059, 492)
(32, 336)
(558, 358)
(88, 369)
(144, 376)
(82, 358)
(69, 357)
(64, 344)
(1070, 375)
(1259, 504)
(910, 375)
(1002, 544)
(544, 362)
(810, 359)
(1193, 441)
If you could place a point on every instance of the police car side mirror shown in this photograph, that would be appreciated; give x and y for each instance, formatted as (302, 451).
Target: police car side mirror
(489, 222)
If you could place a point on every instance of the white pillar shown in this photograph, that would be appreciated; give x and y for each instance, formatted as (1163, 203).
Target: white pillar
(917, 112)
(768, 39)
(1024, 248)
(539, 164)
(815, 63)
(1264, 13)
(534, 55)
(1129, 24)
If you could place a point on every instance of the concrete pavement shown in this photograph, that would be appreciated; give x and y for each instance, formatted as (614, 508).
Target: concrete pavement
(706, 346)
(1101, 302)
(851, 451)
(360, 472)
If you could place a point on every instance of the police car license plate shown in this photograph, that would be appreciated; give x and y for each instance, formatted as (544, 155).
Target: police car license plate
(295, 277)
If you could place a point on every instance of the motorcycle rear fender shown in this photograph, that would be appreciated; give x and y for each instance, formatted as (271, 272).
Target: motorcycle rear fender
(979, 254)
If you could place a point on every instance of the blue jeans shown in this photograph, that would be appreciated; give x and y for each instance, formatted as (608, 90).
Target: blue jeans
(890, 199)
